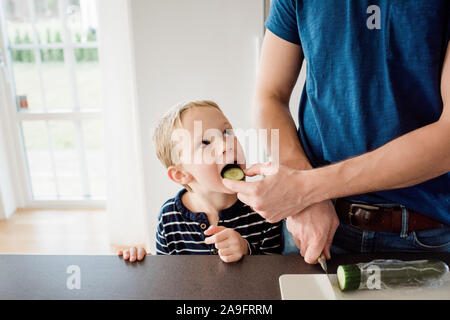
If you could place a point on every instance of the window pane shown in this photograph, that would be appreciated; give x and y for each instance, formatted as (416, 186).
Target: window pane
(39, 159)
(66, 158)
(56, 81)
(87, 73)
(95, 156)
(48, 21)
(26, 80)
(18, 24)
(82, 20)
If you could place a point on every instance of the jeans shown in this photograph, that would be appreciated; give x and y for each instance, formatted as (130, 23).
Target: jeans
(349, 239)
(288, 244)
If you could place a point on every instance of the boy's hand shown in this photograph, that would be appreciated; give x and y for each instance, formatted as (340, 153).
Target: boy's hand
(133, 253)
(230, 243)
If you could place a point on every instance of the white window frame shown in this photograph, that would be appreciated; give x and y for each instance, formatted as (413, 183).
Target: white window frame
(22, 184)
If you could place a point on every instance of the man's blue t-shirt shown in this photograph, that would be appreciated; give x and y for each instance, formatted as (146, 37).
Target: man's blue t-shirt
(373, 74)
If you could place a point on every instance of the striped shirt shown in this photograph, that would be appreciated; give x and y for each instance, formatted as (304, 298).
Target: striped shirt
(181, 231)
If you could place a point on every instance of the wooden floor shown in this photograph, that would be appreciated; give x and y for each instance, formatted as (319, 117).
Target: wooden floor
(55, 231)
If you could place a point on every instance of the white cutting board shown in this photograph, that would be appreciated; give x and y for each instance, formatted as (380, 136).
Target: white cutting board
(320, 287)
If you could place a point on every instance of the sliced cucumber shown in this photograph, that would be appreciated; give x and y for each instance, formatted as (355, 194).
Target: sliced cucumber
(349, 277)
(233, 172)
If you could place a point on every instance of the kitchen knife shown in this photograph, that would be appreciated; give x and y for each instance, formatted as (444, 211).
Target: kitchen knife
(323, 262)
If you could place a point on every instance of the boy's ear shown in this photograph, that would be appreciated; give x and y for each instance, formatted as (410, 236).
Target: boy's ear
(179, 176)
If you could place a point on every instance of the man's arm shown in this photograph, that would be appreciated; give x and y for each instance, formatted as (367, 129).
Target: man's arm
(280, 65)
(313, 229)
(415, 157)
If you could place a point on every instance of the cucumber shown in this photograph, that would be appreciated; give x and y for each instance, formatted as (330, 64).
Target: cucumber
(233, 172)
(391, 273)
(349, 277)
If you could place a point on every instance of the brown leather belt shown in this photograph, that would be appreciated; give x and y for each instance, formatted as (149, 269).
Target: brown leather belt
(374, 218)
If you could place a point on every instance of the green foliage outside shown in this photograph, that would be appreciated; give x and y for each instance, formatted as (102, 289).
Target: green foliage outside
(53, 55)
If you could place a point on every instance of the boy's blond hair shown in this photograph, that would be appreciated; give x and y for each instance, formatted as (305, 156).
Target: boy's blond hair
(162, 136)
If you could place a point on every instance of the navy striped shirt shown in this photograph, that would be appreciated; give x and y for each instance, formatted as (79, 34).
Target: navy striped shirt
(181, 231)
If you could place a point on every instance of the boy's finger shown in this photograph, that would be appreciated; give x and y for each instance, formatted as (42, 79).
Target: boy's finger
(126, 255)
(221, 244)
(133, 254)
(120, 253)
(140, 254)
(213, 230)
(225, 252)
(218, 237)
(230, 258)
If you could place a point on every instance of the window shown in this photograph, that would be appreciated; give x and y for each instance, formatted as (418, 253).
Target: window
(53, 56)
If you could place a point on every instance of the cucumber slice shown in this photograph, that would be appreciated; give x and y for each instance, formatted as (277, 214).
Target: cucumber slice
(234, 173)
(349, 277)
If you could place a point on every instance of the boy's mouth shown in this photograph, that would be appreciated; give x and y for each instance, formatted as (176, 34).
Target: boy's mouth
(229, 166)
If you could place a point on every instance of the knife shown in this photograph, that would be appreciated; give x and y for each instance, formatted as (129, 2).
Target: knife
(323, 262)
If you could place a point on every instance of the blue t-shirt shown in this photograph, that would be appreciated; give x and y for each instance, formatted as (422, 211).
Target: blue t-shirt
(372, 74)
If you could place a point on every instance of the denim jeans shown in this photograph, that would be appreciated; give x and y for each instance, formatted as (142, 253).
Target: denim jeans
(288, 244)
(349, 239)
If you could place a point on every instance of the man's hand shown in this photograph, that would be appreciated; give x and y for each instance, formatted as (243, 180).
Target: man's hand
(282, 193)
(133, 254)
(313, 230)
(232, 247)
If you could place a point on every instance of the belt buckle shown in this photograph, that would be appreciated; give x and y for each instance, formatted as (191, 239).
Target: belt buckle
(365, 207)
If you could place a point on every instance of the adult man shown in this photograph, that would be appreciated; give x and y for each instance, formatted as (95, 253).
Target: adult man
(374, 125)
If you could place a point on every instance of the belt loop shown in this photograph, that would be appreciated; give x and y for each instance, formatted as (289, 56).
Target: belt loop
(405, 219)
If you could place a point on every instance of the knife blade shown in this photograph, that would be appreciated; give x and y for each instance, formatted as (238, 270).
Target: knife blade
(323, 262)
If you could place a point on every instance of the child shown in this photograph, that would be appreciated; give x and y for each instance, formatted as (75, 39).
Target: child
(205, 217)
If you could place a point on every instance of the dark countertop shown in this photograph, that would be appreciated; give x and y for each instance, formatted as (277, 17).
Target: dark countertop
(163, 277)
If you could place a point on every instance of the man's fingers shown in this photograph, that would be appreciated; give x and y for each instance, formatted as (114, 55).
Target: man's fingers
(254, 170)
(313, 251)
(297, 243)
(245, 199)
(330, 238)
(303, 248)
(265, 169)
(238, 186)
(327, 249)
